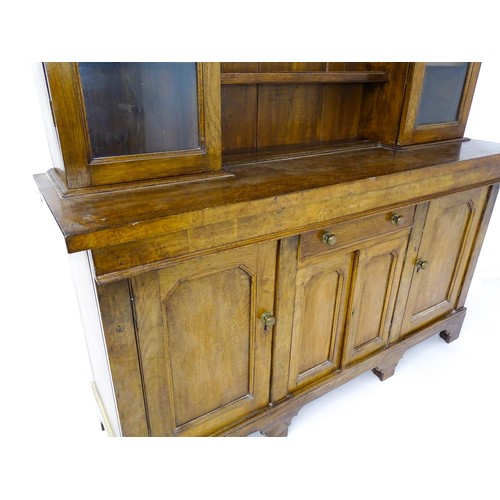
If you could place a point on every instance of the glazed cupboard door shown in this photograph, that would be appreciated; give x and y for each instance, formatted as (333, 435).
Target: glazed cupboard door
(204, 351)
(133, 121)
(437, 101)
(440, 262)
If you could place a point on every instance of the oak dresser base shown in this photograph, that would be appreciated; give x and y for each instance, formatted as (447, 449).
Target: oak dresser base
(274, 421)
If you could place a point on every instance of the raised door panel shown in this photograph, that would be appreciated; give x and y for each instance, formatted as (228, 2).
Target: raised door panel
(444, 250)
(318, 318)
(205, 354)
(376, 276)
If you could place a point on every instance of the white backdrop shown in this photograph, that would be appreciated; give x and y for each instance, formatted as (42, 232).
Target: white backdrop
(434, 421)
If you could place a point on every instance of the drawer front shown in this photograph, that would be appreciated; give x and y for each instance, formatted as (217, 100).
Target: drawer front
(354, 231)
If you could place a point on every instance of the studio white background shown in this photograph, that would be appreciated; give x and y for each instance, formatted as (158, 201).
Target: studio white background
(430, 431)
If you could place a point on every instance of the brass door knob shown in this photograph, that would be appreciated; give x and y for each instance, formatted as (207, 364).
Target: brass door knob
(422, 264)
(268, 319)
(398, 220)
(329, 238)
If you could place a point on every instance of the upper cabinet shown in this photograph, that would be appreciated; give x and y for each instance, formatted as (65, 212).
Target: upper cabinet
(437, 101)
(135, 122)
(122, 122)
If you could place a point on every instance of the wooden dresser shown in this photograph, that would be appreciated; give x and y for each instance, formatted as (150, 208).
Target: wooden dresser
(246, 237)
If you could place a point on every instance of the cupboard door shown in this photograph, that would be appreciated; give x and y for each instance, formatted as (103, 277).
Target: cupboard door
(441, 261)
(122, 122)
(204, 352)
(318, 317)
(437, 101)
(377, 270)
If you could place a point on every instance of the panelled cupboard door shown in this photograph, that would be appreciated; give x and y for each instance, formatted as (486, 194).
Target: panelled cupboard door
(205, 354)
(377, 271)
(441, 261)
(318, 317)
(344, 303)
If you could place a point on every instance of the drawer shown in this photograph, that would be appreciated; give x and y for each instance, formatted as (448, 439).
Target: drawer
(354, 231)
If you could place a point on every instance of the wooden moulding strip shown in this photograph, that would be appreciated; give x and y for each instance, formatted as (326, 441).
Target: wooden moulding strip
(104, 416)
(281, 217)
(284, 77)
(301, 398)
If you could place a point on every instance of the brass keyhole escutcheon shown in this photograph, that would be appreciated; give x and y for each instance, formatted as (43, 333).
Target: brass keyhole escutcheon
(269, 320)
(422, 264)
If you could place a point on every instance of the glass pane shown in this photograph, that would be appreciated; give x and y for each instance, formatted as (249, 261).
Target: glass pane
(140, 107)
(441, 93)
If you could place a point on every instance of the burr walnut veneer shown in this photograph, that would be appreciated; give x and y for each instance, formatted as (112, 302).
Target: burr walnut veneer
(246, 237)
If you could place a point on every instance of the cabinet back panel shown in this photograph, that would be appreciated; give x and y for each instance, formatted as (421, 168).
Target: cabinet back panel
(291, 66)
(258, 116)
(239, 122)
(289, 114)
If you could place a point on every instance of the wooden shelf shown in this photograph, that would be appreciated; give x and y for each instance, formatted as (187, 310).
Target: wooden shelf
(284, 77)
(273, 153)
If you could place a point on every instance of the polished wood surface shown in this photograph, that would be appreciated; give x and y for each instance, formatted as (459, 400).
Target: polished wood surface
(376, 277)
(199, 383)
(349, 232)
(378, 175)
(270, 104)
(119, 331)
(304, 77)
(321, 294)
(448, 235)
(382, 104)
(386, 359)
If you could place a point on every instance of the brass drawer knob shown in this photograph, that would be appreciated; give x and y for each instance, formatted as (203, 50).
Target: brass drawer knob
(329, 238)
(422, 264)
(268, 319)
(398, 220)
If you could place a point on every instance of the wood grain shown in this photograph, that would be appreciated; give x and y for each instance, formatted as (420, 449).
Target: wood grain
(288, 77)
(341, 111)
(69, 116)
(294, 403)
(286, 278)
(119, 331)
(196, 383)
(382, 105)
(318, 318)
(373, 296)
(330, 186)
(351, 232)
(239, 117)
(288, 114)
(446, 244)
